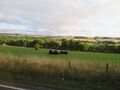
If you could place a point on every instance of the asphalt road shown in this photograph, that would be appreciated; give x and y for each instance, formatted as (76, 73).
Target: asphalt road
(6, 87)
(14, 86)
(2, 88)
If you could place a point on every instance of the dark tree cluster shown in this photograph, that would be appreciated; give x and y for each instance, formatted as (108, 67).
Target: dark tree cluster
(63, 44)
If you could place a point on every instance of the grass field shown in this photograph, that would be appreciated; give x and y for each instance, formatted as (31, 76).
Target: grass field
(73, 55)
(61, 70)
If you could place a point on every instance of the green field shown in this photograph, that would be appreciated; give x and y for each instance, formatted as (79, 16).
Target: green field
(84, 71)
(73, 55)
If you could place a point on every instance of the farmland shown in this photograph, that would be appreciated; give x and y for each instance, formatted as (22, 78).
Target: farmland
(95, 69)
(73, 55)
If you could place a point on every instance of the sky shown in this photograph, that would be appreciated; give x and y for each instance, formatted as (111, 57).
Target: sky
(61, 17)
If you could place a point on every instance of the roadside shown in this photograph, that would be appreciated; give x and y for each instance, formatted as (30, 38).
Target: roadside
(42, 83)
(6, 85)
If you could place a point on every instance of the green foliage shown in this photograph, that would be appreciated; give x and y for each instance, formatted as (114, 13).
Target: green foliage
(52, 44)
(65, 44)
(2, 41)
(36, 46)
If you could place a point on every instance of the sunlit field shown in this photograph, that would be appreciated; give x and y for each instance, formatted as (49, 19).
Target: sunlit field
(73, 55)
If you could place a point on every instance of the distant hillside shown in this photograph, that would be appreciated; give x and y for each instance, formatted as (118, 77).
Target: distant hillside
(11, 34)
(75, 37)
(81, 37)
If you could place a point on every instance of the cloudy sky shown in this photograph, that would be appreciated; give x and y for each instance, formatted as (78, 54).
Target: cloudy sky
(61, 17)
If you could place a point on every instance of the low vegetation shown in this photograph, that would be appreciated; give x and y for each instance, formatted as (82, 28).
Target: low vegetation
(75, 65)
(70, 70)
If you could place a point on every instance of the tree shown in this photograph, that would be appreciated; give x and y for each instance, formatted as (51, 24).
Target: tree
(36, 46)
(52, 45)
(64, 44)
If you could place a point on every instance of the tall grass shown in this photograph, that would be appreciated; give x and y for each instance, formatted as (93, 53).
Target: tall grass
(59, 69)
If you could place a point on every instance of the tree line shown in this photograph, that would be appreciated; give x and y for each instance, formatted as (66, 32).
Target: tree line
(107, 47)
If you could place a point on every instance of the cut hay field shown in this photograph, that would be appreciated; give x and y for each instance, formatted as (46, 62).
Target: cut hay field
(73, 55)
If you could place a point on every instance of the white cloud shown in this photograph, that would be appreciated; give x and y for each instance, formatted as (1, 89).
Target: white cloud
(63, 17)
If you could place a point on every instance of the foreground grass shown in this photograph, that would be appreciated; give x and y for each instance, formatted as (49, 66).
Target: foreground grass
(73, 71)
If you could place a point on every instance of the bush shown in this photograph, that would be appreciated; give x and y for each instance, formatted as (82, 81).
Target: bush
(36, 46)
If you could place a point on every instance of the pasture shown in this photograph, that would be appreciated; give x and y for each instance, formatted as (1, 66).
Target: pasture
(73, 55)
(69, 71)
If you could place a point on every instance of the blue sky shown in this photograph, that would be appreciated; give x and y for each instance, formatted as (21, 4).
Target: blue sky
(61, 17)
